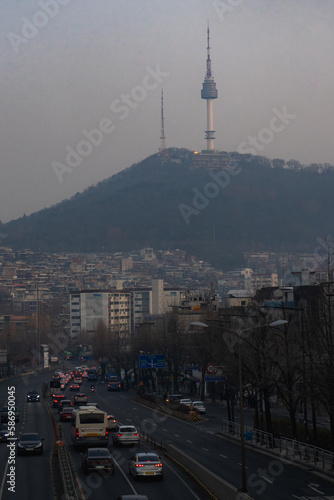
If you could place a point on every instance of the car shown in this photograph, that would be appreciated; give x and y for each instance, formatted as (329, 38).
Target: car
(126, 434)
(186, 402)
(199, 406)
(112, 423)
(174, 398)
(95, 459)
(57, 397)
(80, 399)
(74, 387)
(33, 396)
(65, 413)
(64, 402)
(3, 432)
(146, 464)
(89, 404)
(5, 414)
(30, 443)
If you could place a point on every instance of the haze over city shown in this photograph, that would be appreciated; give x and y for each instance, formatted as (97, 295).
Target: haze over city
(71, 67)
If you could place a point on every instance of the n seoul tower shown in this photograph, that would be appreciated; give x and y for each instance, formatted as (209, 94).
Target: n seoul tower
(209, 92)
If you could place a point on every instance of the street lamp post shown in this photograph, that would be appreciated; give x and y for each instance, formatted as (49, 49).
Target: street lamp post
(242, 426)
(274, 324)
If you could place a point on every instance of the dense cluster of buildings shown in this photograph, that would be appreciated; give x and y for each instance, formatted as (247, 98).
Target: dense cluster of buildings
(122, 289)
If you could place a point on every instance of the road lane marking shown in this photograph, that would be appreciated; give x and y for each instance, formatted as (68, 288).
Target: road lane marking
(266, 479)
(188, 441)
(205, 449)
(222, 455)
(3, 481)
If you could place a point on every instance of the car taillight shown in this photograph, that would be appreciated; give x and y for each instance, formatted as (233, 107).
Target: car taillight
(107, 431)
(77, 432)
(119, 435)
(136, 434)
(157, 465)
(139, 465)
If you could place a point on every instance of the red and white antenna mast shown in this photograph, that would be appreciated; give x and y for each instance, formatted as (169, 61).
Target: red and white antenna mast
(162, 149)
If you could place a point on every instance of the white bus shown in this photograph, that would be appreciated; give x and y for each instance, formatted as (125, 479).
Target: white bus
(89, 427)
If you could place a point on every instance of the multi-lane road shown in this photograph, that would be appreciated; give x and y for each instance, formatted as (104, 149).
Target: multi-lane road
(267, 476)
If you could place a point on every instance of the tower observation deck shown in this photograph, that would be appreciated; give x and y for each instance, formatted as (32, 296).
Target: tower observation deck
(209, 92)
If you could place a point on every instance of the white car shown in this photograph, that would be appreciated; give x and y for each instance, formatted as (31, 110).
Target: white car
(186, 402)
(199, 406)
(126, 434)
(146, 464)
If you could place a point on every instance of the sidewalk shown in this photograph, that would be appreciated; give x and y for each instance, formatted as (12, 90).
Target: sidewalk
(276, 411)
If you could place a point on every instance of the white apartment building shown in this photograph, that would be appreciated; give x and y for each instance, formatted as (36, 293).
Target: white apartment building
(119, 309)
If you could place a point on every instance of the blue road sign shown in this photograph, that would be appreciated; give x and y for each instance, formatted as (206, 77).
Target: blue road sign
(152, 361)
(213, 378)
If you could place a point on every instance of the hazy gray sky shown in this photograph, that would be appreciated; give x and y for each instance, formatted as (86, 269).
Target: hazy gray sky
(71, 66)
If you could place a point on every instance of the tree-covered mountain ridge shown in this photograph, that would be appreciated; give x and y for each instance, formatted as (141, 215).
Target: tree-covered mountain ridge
(253, 204)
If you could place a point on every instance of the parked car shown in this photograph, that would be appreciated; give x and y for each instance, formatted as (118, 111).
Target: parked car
(186, 402)
(126, 434)
(65, 413)
(174, 398)
(30, 443)
(3, 432)
(199, 406)
(4, 414)
(95, 459)
(112, 423)
(33, 396)
(146, 464)
(80, 399)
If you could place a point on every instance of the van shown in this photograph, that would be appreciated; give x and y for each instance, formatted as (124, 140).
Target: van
(89, 427)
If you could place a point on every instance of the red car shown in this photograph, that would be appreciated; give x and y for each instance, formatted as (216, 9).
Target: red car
(66, 413)
(56, 398)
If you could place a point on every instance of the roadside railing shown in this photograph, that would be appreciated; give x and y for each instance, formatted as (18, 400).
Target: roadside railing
(320, 458)
(288, 448)
(253, 436)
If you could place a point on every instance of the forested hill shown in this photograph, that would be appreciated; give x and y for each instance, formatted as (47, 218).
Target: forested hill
(256, 204)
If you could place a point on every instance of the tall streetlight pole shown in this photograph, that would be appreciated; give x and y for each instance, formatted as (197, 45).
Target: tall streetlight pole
(238, 333)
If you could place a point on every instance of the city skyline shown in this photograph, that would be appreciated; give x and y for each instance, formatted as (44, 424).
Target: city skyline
(82, 87)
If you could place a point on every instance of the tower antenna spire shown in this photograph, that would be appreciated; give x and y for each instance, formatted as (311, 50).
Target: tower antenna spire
(209, 92)
(162, 150)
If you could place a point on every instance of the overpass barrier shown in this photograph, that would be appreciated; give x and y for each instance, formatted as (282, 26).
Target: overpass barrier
(216, 487)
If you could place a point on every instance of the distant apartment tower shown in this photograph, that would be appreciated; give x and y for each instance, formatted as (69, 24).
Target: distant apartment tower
(163, 299)
(119, 309)
(87, 308)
